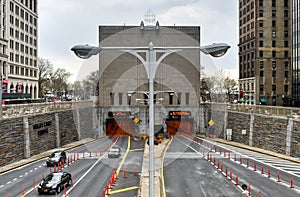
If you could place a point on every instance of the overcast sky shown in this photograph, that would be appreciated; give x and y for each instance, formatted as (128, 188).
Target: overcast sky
(64, 23)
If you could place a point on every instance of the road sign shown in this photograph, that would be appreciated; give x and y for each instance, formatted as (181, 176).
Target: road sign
(211, 123)
(136, 120)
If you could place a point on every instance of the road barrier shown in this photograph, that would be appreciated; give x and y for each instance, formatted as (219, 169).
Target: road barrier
(291, 182)
(269, 173)
(278, 176)
(262, 169)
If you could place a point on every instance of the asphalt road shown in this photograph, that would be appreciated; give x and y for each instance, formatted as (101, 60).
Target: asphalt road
(90, 173)
(188, 174)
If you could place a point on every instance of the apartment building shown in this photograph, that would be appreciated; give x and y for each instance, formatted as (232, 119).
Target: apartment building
(19, 46)
(264, 51)
(295, 53)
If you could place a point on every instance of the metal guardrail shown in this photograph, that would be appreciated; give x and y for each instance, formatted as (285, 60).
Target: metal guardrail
(259, 109)
(9, 111)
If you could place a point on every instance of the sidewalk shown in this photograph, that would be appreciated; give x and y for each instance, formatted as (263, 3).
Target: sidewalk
(158, 156)
(42, 155)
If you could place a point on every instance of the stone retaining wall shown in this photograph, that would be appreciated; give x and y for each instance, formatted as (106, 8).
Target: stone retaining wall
(274, 133)
(22, 137)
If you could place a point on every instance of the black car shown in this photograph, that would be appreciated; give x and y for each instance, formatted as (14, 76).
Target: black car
(114, 152)
(55, 182)
(56, 157)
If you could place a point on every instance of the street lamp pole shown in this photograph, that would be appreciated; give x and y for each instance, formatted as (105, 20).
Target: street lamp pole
(151, 64)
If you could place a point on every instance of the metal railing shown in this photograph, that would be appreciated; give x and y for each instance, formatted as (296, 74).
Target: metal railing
(16, 110)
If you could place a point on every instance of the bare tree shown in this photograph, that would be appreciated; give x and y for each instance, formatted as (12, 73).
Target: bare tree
(59, 81)
(45, 70)
(219, 86)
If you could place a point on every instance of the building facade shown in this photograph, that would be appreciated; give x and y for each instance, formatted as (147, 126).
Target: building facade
(296, 53)
(124, 84)
(264, 51)
(19, 46)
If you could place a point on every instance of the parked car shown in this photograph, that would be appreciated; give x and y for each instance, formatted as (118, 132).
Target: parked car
(114, 152)
(54, 182)
(56, 157)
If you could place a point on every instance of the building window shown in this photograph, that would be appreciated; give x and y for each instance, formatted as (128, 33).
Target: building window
(286, 64)
(273, 73)
(178, 98)
(286, 23)
(273, 33)
(171, 99)
(286, 34)
(261, 23)
(187, 98)
(261, 54)
(11, 70)
(120, 98)
(261, 43)
(261, 87)
(286, 54)
(261, 13)
(274, 87)
(261, 64)
(273, 13)
(261, 3)
(112, 98)
(286, 88)
(273, 3)
(261, 33)
(286, 74)
(286, 3)
(273, 43)
(273, 64)
(273, 23)
(273, 54)
(261, 73)
(286, 13)
(286, 43)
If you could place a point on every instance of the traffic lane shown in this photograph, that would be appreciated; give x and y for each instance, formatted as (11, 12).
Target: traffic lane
(196, 177)
(257, 181)
(128, 180)
(99, 145)
(232, 152)
(180, 144)
(77, 169)
(23, 178)
(22, 171)
(95, 181)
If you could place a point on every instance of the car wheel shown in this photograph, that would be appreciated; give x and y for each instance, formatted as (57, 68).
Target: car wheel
(58, 189)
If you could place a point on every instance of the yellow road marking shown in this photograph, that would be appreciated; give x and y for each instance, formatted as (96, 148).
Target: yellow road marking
(136, 150)
(162, 169)
(124, 190)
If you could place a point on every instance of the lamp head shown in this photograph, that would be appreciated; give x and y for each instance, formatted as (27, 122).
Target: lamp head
(85, 51)
(215, 49)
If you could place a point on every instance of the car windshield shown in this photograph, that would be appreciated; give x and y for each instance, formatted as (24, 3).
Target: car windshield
(55, 155)
(53, 178)
(114, 150)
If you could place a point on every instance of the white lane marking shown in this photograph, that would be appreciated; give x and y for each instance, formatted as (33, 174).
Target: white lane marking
(1, 186)
(87, 172)
(15, 179)
(254, 159)
(8, 182)
(21, 176)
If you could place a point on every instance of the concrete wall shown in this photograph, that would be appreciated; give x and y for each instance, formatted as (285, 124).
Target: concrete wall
(25, 136)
